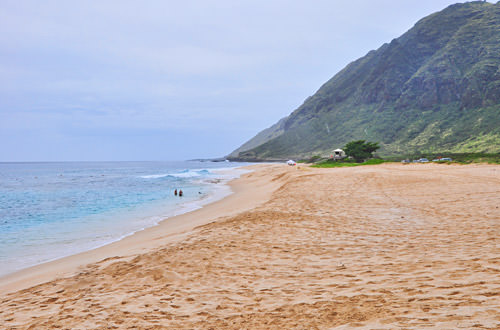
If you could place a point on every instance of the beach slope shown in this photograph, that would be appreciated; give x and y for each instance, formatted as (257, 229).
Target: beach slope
(372, 247)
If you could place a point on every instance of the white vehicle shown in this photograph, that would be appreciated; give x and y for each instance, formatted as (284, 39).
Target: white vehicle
(338, 154)
(291, 163)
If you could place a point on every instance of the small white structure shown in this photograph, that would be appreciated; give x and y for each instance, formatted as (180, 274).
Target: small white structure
(338, 154)
(291, 163)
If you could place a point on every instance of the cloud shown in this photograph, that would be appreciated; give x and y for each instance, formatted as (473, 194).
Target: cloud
(217, 71)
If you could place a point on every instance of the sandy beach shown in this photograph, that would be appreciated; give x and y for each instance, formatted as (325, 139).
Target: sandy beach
(390, 246)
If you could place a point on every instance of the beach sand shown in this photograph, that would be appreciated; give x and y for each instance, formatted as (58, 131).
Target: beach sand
(372, 247)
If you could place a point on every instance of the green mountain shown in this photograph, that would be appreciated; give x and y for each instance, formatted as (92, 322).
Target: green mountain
(434, 89)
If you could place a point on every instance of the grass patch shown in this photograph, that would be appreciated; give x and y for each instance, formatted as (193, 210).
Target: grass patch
(470, 158)
(329, 164)
(461, 158)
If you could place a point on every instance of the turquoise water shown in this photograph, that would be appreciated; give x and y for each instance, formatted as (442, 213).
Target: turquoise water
(51, 210)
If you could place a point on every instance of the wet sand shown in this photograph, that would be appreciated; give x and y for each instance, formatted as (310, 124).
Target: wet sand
(373, 247)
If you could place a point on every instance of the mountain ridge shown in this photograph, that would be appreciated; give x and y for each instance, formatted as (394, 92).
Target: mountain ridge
(435, 88)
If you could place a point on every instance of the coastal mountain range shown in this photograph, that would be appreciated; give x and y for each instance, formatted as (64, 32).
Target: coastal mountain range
(434, 89)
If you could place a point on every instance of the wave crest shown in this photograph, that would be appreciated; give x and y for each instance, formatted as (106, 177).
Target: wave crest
(183, 174)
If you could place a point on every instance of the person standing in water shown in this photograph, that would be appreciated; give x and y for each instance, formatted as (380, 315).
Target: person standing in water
(175, 192)
(180, 193)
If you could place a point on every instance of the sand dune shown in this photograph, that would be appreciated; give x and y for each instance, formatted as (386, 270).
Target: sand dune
(373, 247)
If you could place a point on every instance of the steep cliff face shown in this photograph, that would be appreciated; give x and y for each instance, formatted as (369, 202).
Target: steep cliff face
(436, 88)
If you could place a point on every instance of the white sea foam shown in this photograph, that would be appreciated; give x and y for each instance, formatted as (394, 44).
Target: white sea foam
(189, 174)
(184, 174)
(153, 176)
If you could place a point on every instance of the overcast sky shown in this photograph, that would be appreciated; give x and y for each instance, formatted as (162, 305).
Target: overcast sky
(171, 80)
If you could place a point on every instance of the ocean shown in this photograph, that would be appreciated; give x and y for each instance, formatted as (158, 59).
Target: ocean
(55, 209)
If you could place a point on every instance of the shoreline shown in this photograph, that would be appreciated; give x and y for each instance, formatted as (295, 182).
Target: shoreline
(368, 247)
(219, 191)
(167, 230)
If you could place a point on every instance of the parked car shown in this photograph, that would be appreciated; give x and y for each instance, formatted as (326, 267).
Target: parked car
(423, 160)
(291, 163)
(444, 159)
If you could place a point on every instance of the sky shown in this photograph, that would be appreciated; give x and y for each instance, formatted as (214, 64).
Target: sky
(172, 80)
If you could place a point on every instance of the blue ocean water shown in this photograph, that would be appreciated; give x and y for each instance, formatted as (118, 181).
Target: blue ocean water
(51, 210)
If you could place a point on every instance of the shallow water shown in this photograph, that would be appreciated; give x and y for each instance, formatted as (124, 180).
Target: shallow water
(51, 210)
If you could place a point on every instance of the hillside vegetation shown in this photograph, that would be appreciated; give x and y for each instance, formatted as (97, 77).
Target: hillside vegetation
(434, 89)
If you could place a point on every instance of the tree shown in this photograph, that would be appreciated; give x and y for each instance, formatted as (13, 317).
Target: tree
(360, 149)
